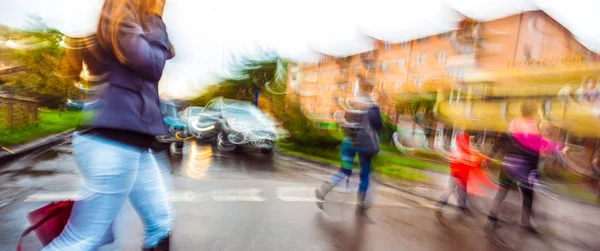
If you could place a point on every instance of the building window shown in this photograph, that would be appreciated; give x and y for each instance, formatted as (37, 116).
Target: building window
(381, 85)
(355, 69)
(387, 46)
(314, 76)
(420, 59)
(403, 44)
(343, 87)
(384, 66)
(294, 77)
(442, 56)
(398, 84)
(401, 62)
(344, 70)
(418, 80)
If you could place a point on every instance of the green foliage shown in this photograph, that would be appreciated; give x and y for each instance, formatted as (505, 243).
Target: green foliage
(39, 52)
(51, 121)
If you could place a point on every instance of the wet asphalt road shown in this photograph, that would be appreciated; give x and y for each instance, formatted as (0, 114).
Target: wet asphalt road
(249, 201)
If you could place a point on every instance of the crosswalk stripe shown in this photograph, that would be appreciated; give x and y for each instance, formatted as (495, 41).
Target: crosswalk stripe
(53, 196)
(251, 194)
(286, 194)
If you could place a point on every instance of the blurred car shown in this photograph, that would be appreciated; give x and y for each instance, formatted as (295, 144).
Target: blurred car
(240, 125)
(72, 104)
(172, 117)
(200, 123)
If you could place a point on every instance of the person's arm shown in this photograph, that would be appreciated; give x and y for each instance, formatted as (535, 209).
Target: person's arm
(145, 51)
(375, 119)
(339, 118)
(496, 147)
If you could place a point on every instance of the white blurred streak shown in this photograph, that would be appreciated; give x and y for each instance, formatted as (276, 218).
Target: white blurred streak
(487, 10)
(578, 16)
(400, 21)
(80, 17)
(206, 33)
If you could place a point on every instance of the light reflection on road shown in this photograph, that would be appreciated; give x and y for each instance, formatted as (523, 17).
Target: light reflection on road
(199, 161)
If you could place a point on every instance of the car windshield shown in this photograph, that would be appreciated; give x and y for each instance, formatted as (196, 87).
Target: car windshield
(239, 113)
(195, 111)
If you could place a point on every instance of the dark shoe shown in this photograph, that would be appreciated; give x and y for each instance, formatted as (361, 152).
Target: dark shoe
(321, 192)
(466, 212)
(163, 245)
(362, 204)
(492, 225)
(531, 230)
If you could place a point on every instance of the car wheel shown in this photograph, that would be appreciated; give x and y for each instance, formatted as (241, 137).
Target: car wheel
(176, 150)
(267, 151)
(223, 144)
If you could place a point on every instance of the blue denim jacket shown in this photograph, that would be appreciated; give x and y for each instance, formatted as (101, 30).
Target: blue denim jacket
(130, 101)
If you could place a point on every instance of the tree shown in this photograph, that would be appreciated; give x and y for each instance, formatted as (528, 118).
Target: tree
(38, 50)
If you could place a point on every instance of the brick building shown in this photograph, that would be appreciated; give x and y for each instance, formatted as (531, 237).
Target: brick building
(397, 69)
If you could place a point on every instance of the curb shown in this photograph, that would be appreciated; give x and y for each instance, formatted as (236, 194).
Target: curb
(30, 147)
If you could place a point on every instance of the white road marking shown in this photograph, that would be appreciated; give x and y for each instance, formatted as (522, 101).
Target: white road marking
(287, 194)
(53, 196)
(188, 196)
(296, 194)
(248, 194)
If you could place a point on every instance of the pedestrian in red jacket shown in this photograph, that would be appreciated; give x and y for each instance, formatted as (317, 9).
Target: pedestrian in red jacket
(463, 160)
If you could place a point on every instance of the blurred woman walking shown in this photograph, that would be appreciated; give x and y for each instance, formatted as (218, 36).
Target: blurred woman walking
(129, 50)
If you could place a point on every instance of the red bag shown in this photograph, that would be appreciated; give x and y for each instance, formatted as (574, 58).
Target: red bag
(48, 221)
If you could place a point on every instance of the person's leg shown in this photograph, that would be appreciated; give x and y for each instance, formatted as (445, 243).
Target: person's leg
(461, 191)
(446, 195)
(526, 206)
(164, 166)
(149, 198)
(365, 174)
(348, 153)
(109, 170)
(505, 184)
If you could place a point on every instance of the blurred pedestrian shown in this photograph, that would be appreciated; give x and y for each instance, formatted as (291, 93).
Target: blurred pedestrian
(522, 147)
(130, 49)
(462, 161)
(362, 125)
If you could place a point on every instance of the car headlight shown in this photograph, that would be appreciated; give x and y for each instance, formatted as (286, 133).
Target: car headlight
(202, 128)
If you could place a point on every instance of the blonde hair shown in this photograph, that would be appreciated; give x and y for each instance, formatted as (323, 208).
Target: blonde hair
(117, 13)
(529, 109)
(133, 14)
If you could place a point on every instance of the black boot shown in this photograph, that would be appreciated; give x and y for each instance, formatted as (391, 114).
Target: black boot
(362, 204)
(163, 245)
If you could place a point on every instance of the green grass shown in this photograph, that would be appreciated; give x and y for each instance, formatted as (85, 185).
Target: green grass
(388, 164)
(50, 122)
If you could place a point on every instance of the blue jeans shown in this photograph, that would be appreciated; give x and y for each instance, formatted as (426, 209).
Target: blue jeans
(113, 173)
(349, 152)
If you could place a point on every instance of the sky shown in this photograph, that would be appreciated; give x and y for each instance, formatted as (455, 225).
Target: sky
(206, 32)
